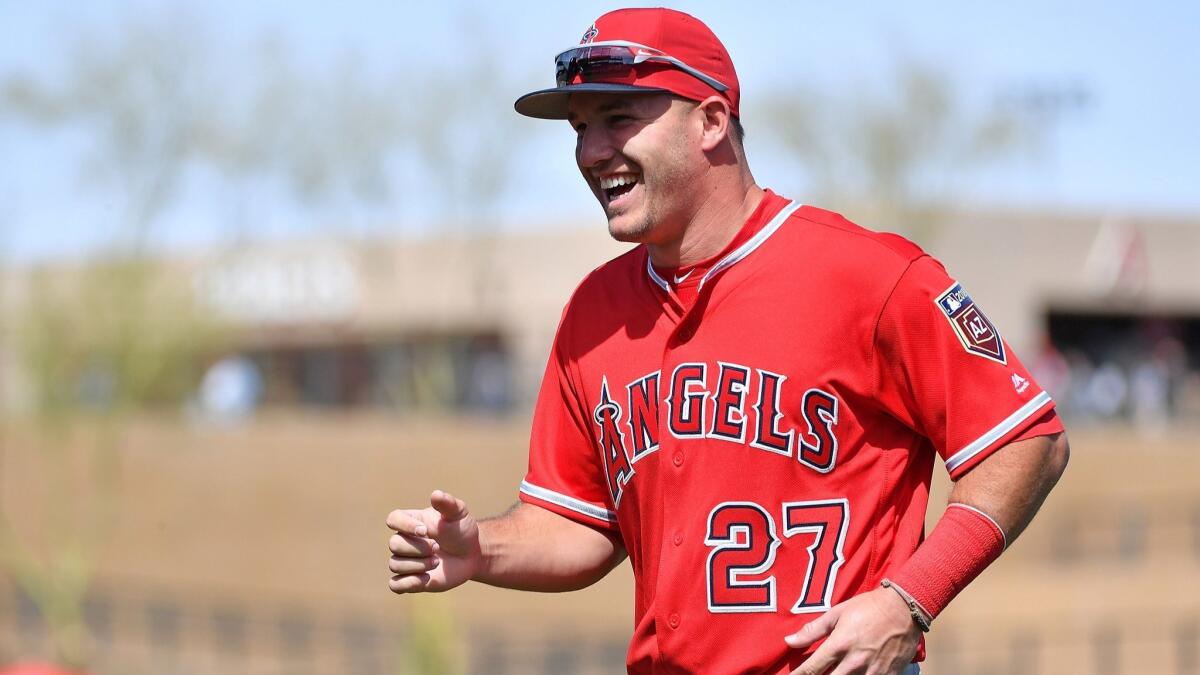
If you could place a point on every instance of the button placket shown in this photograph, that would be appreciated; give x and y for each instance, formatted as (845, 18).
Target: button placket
(683, 332)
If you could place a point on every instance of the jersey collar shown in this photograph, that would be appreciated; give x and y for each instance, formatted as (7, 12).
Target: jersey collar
(736, 255)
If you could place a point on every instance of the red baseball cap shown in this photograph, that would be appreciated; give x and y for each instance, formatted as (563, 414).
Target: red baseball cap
(639, 51)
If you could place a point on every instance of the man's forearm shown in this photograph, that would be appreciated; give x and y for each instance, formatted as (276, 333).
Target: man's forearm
(532, 549)
(989, 507)
(1011, 485)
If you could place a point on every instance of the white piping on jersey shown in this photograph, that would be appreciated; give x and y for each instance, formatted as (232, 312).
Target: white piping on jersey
(662, 283)
(753, 243)
(734, 256)
(978, 445)
(577, 505)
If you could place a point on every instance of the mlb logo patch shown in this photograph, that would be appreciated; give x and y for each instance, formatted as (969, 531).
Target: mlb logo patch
(973, 329)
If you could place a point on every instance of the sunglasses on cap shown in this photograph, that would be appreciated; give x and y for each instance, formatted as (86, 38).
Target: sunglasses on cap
(614, 60)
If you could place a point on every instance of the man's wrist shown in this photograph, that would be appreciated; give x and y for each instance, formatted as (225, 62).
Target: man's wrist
(964, 542)
(921, 618)
(482, 568)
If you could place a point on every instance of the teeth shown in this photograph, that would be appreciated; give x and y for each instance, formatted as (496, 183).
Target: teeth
(617, 181)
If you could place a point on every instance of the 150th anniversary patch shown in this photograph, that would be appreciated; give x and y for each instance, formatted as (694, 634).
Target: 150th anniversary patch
(977, 334)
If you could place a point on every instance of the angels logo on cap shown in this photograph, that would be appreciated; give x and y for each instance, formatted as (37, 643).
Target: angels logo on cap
(642, 50)
(589, 35)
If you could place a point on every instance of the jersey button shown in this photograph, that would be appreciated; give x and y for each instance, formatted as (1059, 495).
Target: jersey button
(677, 539)
(678, 458)
(673, 620)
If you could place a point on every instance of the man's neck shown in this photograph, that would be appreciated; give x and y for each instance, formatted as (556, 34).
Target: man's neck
(710, 230)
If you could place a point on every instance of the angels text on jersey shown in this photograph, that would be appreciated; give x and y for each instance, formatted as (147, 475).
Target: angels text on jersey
(723, 401)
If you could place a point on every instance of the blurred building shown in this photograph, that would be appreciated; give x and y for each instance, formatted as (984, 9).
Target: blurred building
(1106, 311)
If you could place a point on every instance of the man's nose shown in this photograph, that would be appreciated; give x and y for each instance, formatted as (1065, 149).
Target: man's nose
(594, 148)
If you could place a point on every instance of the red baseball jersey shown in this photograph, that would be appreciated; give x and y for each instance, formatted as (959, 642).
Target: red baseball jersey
(764, 444)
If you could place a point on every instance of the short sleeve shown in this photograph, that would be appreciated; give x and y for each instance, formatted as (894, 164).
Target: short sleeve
(565, 475)
(943, 369)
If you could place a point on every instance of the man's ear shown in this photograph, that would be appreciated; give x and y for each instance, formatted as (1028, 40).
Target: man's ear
(717, 120)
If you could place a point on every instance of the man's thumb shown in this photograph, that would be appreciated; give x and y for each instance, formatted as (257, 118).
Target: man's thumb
(451, 508)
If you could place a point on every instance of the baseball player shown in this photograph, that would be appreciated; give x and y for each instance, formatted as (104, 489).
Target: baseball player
(748, 404)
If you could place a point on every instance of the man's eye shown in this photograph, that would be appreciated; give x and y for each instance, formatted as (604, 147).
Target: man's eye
(619, 119)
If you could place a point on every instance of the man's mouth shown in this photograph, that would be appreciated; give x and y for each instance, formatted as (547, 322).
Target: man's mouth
(618, 185)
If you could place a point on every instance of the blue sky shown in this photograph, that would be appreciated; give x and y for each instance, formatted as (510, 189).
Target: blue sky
(1133, 149)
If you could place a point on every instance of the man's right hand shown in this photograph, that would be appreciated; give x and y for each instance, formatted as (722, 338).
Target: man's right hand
(433, 549)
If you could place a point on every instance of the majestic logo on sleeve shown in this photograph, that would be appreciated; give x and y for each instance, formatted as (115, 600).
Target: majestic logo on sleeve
(978, 335)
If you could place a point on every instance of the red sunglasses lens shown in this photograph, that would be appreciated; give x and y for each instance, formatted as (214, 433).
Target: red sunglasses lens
(594, 64)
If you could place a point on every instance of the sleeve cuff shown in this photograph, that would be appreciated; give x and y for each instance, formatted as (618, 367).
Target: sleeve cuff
(569, 507)
(974, 452)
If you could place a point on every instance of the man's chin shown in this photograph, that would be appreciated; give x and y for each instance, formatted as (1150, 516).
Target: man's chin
(623, 228)
(632, 236)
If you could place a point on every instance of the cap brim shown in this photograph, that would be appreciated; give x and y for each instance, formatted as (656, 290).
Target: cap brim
(551, 104)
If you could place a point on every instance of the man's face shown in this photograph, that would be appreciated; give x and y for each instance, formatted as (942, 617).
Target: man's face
(640, 158)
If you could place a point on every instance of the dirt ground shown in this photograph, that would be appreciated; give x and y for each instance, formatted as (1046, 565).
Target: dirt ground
(289, 510)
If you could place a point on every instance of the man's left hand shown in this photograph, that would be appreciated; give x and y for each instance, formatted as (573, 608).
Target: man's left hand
(871, 634)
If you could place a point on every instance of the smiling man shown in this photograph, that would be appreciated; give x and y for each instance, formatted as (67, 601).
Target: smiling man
(748, 404)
